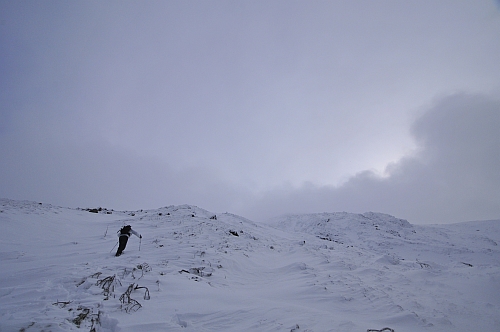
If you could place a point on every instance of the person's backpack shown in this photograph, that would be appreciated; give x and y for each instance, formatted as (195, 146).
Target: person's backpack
(125, 229)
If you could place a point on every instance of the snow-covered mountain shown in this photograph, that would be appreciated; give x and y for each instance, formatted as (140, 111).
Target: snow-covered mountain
(195, 270)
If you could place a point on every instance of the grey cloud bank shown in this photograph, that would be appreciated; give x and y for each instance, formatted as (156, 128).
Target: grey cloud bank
(453, 177)
(256, 108)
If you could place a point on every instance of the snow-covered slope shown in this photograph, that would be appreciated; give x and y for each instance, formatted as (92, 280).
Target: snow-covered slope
(195, 270)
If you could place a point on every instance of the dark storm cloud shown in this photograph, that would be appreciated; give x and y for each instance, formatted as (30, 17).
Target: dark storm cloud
(454, 176)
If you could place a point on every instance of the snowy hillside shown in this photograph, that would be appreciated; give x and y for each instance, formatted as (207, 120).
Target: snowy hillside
(196, 270)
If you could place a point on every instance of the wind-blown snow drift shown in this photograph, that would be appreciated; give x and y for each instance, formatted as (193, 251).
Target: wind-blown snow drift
(201, 271)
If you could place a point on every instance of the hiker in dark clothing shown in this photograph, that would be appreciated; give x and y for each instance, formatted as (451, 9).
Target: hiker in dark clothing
(123, 235)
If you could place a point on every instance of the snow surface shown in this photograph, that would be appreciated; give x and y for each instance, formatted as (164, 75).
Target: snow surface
(201, 271)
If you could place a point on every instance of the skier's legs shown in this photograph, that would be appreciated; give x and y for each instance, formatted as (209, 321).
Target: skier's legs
(123, 243)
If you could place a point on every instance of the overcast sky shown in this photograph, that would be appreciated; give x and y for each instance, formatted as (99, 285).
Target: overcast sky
(257, 108)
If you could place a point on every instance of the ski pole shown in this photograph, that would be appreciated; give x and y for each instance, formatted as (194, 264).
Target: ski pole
(114, 246)
(140, 240)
